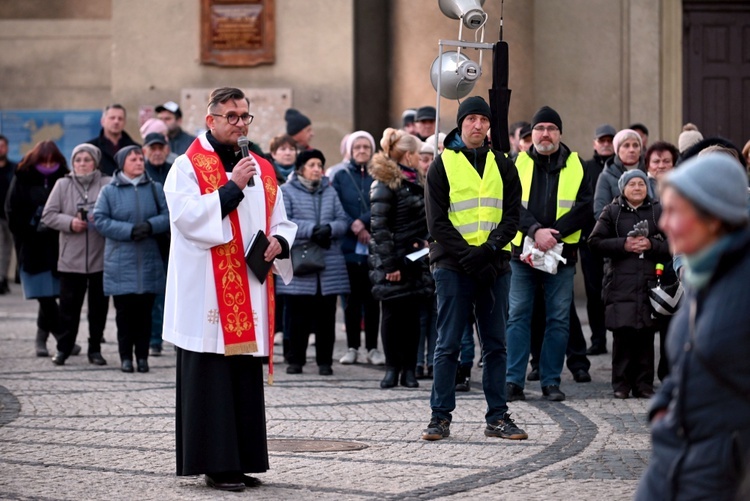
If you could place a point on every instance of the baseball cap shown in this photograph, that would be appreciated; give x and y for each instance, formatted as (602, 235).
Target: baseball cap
(170, 106)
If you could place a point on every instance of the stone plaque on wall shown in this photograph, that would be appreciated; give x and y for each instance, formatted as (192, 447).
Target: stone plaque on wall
(266, 105)
(237, 32)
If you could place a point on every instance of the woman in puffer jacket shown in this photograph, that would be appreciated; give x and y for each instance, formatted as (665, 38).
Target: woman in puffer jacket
(129, 212)
(70, 210)
(398, 228)
(630, 266)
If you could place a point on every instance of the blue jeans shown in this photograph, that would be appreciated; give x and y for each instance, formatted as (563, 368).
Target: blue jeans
(467, 345)
(558, 294)
(458, 295)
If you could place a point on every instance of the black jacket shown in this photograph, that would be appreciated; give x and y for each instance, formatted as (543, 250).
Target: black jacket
(398, 227)
(541, 211)
(593, 168)
(626, 275)
(6, 176)
(108, 165)
(36, 245)
(449, 246)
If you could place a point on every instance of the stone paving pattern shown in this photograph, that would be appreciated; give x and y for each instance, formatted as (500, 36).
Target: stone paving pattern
(81, 432)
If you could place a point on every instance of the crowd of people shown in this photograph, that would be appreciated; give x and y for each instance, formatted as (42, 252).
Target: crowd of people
(422, 243)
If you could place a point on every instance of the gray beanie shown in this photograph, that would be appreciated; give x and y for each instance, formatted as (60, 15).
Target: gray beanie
(630, 174)
(123, 153)
(92, 150)
(715, 183)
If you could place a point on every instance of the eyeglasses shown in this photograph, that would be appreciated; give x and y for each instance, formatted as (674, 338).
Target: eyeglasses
(233, 118)
(549, 128)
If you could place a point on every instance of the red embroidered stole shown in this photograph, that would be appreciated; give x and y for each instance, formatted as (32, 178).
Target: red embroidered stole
(230, 271)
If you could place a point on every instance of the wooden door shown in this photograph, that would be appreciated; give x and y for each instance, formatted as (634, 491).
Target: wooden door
(716, 65)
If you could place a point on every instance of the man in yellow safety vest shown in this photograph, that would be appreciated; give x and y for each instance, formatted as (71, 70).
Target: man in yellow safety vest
(472, 199)
(556, 204)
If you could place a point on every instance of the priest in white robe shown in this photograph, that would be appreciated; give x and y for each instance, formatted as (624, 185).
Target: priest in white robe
(217, 313)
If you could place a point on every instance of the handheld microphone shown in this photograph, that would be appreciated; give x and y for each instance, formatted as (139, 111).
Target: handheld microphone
(242, 143)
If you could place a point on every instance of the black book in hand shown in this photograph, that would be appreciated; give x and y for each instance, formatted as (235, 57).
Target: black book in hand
(254, 256)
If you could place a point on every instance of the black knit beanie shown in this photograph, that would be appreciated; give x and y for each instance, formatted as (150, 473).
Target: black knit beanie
(306, 155)
(474, 105)
(295, 121)
(548, 115)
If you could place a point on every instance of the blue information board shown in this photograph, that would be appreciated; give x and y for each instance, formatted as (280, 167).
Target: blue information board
(67, 128)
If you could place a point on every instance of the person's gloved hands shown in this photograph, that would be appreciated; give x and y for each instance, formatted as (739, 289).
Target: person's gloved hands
(141, 231)
(476, 258)
(321, 235)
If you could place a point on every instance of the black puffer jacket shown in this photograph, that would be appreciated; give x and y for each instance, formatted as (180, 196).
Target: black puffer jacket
(36, 245)
(399, 227)
(626, 275)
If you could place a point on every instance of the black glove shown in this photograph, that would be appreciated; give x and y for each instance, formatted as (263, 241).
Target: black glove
(321, 235)
(476, 258)
(141, 231)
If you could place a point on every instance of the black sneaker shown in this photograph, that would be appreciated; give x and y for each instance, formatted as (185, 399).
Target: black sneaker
(596, 349)
(533, 375)
(437, 429)
(513, 392)
(505, 428)
(553, 393)
(582, 376)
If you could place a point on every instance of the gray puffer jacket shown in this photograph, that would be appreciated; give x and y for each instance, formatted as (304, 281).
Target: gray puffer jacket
(79, 252)
(302, 207)
(131, 267)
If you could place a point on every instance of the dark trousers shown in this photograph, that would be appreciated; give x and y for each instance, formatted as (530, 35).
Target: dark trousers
(662, 371)
(360, 300)
(48, 315)
(400, 332)
(73, 287)
(308, 314)
(633, 360)
(575, 352)
(133, 319)
(592, 266)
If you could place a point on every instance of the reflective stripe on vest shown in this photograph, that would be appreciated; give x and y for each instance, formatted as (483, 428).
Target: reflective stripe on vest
(568, 184)
(476, 204)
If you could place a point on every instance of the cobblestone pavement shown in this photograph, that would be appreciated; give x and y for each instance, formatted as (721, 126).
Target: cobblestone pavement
(84, 432)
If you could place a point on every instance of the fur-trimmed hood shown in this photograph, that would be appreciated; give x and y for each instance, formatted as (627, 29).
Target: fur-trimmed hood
(385, 170)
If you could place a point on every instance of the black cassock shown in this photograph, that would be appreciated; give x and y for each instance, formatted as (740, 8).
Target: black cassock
(221, 414)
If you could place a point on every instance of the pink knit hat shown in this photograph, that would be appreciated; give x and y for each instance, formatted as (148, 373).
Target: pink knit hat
(624, 134)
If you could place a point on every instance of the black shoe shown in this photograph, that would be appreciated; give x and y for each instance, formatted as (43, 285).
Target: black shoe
(437, 429)
(505, 428)
(390, 379)
(325, 370)
(533, 375)
(142, 365)
(408, 379)
(429, 372)
(553, 393)
(155, 350)
(582, 376)
(4, 289)
(127, 366)
(97, 359)
(222, 484)
(294, 369)
(76, 350)
(514, 392)
(463, 379)
(250, 481)
(622, 394)
(419, 373)
(59, 358)
(595, 349)
(644, 393)
(41, 343)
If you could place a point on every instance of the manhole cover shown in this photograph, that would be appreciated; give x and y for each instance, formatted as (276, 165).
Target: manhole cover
(294, 445)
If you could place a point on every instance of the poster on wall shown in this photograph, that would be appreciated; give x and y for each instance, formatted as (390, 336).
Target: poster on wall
(67, 128)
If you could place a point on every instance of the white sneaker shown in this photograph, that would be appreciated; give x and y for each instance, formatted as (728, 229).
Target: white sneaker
(375, 357)
(350, 357)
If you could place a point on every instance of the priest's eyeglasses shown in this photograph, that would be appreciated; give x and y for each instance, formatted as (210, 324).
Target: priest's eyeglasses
(233, 118)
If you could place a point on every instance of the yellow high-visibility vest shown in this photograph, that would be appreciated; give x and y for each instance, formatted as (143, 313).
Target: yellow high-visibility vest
(476, 203)
(570, 180)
